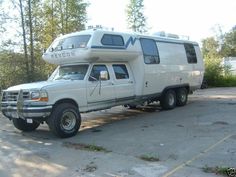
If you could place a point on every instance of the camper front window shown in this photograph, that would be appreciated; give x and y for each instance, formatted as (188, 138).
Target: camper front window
(69, 72)
(70, 43)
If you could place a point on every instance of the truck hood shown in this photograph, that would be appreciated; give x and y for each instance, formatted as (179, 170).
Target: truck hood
(37, 85)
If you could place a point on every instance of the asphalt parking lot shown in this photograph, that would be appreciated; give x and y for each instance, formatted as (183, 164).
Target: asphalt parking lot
(150, 142)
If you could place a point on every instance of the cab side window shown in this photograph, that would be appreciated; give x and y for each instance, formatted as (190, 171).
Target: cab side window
(121, 71)
(95, 73)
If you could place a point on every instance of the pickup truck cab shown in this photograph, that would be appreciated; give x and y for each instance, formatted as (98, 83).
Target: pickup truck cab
(100, 69)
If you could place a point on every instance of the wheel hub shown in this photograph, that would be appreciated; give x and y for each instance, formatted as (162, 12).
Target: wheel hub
(68, 121)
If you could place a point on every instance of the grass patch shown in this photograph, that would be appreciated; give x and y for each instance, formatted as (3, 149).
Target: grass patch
(87, 147)
(217, 170)
(149, 158)
(223, 81)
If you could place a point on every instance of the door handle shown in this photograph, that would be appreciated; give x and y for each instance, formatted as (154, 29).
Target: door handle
(131, 82)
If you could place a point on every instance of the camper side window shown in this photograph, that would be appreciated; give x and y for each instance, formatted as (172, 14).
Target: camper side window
(191, 53)
(95, 73)
(150, 51)
(121, 71)
(113, 40)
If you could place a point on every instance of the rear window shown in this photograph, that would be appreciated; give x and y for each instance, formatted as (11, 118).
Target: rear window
(112, 40)
(190, 53)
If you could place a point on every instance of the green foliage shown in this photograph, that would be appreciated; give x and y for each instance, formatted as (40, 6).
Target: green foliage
(135, 17)
(46, 19)
(216, 74)
(226, 81)
(213, 67)
(229, 46)
(217, 170)
(12, 69)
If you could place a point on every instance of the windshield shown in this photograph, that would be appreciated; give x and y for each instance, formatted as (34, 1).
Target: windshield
(73, 72)
(70, 43)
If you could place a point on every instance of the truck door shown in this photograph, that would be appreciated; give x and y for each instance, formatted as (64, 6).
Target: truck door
(123, 82)
(100, 93)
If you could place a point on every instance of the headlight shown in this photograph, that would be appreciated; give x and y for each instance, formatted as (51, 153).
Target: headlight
(41, 95)
(35, 95)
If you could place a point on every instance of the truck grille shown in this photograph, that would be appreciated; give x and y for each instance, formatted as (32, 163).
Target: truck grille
(13, 96)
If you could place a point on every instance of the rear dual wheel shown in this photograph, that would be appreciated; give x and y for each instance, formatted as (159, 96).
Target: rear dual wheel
(181, 96)
(168, 100)
(172, 98)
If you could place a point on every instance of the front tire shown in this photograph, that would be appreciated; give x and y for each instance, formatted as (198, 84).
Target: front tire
(168, 100)
(22, 125)
(65, 120)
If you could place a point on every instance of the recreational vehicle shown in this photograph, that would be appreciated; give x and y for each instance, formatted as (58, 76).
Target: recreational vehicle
(100, 69)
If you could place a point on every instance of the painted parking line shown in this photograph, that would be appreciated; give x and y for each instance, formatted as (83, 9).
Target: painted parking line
(179, 167)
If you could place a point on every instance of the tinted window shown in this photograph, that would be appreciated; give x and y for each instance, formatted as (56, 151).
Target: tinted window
(114, 40)
(121, 71)
(190, 53)
(95, 73)
(71, 42)
(150, 51)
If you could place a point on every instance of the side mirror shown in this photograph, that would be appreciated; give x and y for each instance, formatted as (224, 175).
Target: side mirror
(104, 75)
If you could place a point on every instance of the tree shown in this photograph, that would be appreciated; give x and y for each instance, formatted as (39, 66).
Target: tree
(24, 40)
(61, 17)
(212, 60)
(11, 72)
(38, 23)
(229, 45)
(135, 16)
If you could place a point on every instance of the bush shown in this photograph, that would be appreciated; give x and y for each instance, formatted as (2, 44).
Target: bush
(213, 71)
(217, 75)
(226, 81)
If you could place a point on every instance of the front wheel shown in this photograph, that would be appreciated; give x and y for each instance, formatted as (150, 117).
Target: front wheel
(65, 120)
(24, 126)
(168, 100)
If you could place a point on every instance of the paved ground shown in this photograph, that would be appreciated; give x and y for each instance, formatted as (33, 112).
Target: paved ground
(186, 139)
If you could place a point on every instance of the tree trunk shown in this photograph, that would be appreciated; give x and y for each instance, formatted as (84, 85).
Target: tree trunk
(31, 41)
(24, 41)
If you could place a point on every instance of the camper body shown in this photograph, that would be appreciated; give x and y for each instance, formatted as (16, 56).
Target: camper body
(100, 69)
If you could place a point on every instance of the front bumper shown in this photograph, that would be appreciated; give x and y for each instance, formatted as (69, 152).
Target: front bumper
(25, 109)
(11, 111)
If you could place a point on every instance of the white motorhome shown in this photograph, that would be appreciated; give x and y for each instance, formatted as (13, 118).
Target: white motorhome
(100, 69)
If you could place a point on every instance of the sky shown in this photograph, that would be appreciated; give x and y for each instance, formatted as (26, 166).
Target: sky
(197, 19)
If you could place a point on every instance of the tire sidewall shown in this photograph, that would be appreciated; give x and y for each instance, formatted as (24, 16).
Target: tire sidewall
(24, 126)
(180, 93)
(56, 118)
(165, 101)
